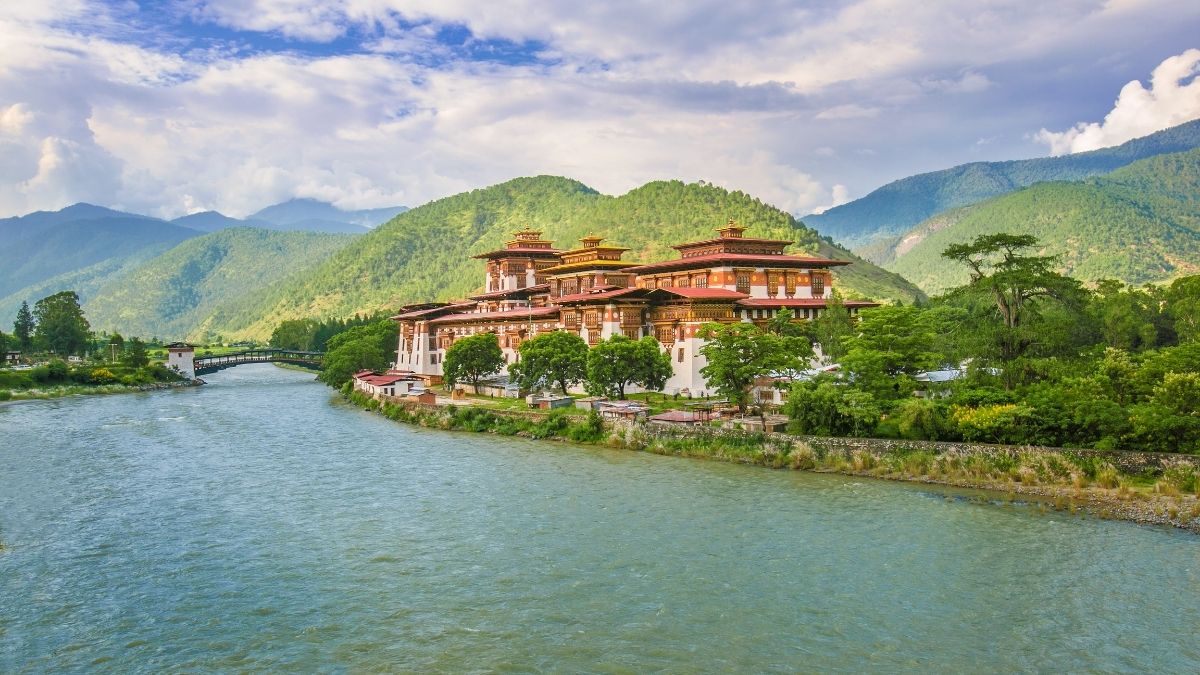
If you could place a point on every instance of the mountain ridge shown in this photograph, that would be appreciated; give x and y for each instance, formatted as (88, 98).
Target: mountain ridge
(893, 209)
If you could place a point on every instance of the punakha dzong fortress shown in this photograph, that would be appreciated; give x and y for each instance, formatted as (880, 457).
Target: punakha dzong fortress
(530, 288)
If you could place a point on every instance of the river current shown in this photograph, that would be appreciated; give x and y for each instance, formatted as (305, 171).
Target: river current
(258, 523)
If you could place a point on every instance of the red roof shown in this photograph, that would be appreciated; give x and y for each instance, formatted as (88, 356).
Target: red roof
(383, 380)
(426, 312)
(714, 259)
(603, 295)
(801, 302)
(691, 292)
(520, 250)
(720, 240)
(536, 288)
(536, 312)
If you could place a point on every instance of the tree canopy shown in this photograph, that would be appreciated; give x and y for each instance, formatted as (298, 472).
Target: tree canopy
(619, 362)
(558, 358)
(60, 325)
(740, 353)
(472, 358)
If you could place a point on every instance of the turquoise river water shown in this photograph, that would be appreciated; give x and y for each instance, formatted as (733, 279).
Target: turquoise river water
(259, 524)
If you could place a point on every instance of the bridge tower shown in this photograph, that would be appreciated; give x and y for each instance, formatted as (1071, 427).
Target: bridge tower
(181, 357)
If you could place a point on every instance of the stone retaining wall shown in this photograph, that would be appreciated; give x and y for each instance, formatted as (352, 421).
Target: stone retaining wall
(1127, 462)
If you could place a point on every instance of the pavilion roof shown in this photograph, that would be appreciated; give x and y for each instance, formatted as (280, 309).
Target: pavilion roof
(508, 314)
(737, 260)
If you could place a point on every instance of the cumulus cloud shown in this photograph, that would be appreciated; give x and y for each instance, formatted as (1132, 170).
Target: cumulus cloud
(1172, 98)
(840, 195)
(363, 103)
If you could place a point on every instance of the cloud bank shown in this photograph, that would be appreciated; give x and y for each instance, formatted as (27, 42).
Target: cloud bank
(1172, 99)
(169, 108)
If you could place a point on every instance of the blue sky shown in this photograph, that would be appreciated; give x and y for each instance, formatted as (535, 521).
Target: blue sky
(177, 106)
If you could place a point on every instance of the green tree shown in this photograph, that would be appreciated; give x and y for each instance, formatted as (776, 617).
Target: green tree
(831, 328)
(5, 342)
(136, 356)
(472, 358)
(1013, 283)
(23, 328)
(61, 326)
(891, 345)
(822, 408)
(740, 353)
(297, 334)
(364, 347)
(618, 362)
(1183, 308)
(1170, 421)
(784, 323)
(559, 357)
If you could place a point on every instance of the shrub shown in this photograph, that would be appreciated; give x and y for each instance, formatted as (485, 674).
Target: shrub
(5, 395)
(101, 376)
(1107, 476)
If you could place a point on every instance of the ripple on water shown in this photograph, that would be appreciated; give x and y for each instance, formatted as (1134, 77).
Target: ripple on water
(252, 525)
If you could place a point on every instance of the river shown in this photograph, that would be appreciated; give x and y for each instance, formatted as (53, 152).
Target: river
(258, 523)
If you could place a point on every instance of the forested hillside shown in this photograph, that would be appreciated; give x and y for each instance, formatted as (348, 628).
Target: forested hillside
(898, 206)
(1137, 224)
(36, 251)
(426, 253)
(182, 293)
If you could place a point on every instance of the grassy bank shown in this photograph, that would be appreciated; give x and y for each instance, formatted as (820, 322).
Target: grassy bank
(47, 393)
(1059, 480)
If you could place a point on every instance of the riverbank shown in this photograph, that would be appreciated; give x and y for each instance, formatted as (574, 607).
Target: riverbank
(1061, 479)
(49, 393)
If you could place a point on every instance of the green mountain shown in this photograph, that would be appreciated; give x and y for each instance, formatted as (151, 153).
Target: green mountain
(183, 292)
(896, 207)
(37, 251)
(1138, 224)
(426, 253)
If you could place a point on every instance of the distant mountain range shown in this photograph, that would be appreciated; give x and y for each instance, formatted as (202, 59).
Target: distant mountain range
(895, 208)
(1138, 224)
(83, 246)
(307, 215)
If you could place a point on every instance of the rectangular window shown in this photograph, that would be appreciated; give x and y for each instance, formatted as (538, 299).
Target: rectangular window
(680, 353)
(743, 282)
(665, 283)
(789, 284)
(682, 282)
(818, 285)
(701, 281)
(772, 284)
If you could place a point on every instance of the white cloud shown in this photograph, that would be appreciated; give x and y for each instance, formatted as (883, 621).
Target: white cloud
(627, 91)
(840, 195)
(1172, 98)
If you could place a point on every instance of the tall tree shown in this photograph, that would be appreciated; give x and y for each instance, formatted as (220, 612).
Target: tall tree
(61, 326)
(740, 353)
(558, 358)
(23, 328)
(472, 358)
(619, 362)
(831, 328)
(136, 355)
(368, 346)
(1013, 282)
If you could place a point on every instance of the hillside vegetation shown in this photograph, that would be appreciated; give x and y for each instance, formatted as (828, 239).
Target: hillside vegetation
(426, 253)
(183, 292)
(898, 206)
(1137, 224)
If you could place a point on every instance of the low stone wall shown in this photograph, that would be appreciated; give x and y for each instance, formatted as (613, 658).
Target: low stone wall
(1128, 462)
